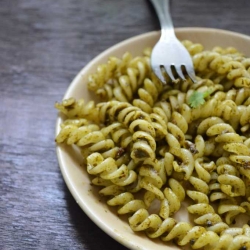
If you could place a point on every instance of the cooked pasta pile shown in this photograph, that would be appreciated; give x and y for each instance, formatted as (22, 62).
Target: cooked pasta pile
(147, 143)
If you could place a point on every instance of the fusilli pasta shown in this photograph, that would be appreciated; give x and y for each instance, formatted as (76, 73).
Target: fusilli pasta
(149, 148)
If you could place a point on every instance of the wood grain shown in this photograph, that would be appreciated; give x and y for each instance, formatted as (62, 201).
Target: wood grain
(43, 44)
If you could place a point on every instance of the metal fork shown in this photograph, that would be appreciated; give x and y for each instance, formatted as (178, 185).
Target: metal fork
(169, 54)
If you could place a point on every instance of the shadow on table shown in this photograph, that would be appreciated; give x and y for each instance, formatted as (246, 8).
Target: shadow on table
(87, 233)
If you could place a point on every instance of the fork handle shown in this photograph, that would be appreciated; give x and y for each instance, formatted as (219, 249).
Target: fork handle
(162, 10)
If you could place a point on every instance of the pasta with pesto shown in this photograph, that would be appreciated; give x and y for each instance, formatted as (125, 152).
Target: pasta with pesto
(150, 148)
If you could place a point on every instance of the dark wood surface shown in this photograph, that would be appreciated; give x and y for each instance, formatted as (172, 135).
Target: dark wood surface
(43, 45)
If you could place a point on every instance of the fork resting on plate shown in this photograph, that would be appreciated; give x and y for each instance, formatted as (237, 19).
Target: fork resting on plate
(169, 54)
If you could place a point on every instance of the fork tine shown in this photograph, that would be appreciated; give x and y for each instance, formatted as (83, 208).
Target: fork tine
(191, 73)
(158, 73)
(169, 72)
(179, 72)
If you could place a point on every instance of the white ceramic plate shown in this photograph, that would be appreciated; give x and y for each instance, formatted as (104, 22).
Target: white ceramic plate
(77, 178)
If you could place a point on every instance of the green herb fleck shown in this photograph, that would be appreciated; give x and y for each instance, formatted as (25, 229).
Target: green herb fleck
(197, 98)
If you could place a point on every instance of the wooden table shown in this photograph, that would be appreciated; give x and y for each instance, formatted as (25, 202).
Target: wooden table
(43, 45)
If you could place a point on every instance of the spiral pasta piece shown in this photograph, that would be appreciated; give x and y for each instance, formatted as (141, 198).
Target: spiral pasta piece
(207, 216)
(78, 109)
(119, 134)
(193, 48)
(148, 94)
(209, 60)
(170, 201)
(127, 203)
(186, 165)
(244, 118)
(240, 155)
(139, 124)
(228, 186)
(118, 196)
(72, 131)
(159, 121)
(174, 98)
(174, 195)
(107, 169)
(128, 73)
(183, 232)
(107, 72)
(227, 51)
(230, 182)
(237, 72)
(239, 96)
(224, 65)
(153, 177)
